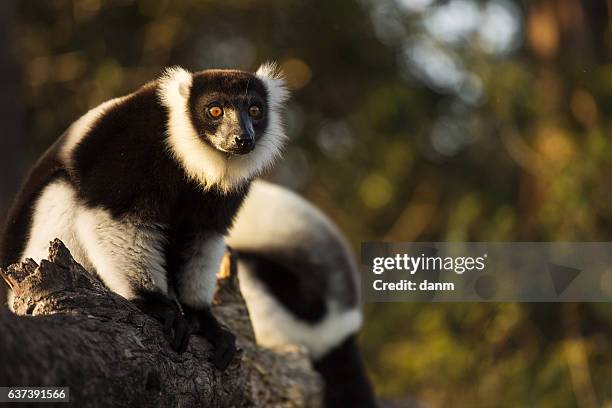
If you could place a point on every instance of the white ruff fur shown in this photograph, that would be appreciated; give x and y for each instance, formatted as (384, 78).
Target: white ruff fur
(199, 276)
(122, 253)
(206, 164)
(274, 325)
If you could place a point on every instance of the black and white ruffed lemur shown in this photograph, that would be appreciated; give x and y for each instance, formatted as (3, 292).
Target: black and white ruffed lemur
(300, 281)
(143, 188)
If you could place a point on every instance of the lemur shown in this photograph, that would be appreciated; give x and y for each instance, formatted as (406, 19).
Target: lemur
(300, 283)
(142, 189)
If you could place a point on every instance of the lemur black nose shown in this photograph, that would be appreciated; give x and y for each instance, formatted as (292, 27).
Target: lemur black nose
(244, 142)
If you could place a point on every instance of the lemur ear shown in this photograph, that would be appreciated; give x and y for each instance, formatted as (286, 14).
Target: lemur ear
(175, 85)
(274, 79)
(184, 89)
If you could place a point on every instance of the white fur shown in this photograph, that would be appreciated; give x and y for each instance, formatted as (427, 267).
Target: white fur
(274, 325)
(204, 163)
(117, 250)
(274, 80)
(199, 276)
(276, 216)
(126, 254)
(54, 212)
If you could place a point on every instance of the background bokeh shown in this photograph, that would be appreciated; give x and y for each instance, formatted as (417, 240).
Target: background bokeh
(410, 120)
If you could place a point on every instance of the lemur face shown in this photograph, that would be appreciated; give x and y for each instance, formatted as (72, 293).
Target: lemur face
(216, 117)
(229, 109)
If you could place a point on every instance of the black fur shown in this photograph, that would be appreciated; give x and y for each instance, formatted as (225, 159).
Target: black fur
(346, 382)
(298, 287)
(191, 207)
(123, 165)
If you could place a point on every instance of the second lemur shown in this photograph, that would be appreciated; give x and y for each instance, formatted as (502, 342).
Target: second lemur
(300, 282)
(143, 188)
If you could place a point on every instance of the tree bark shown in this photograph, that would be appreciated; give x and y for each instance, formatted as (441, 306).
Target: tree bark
(71, 331)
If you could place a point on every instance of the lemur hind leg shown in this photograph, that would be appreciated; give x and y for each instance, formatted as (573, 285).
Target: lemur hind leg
(196, 285)
(128, 257)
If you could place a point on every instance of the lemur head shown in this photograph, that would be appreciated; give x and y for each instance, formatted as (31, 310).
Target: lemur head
(224, 126)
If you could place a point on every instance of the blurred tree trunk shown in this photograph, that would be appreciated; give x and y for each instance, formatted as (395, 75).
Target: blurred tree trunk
(12, 142)
(597, 19)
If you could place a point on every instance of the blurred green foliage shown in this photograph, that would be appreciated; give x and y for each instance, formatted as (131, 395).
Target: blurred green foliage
(411, 120)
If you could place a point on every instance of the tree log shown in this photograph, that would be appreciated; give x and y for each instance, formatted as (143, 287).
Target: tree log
(72, 331)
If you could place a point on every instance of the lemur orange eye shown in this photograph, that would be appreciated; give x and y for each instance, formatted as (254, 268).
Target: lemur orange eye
(255, 111)
(215, 112)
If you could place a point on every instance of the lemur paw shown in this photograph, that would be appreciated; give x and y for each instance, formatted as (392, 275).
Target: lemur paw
(223, 341)
(176, 330)
(225, 349)
(168, 312)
